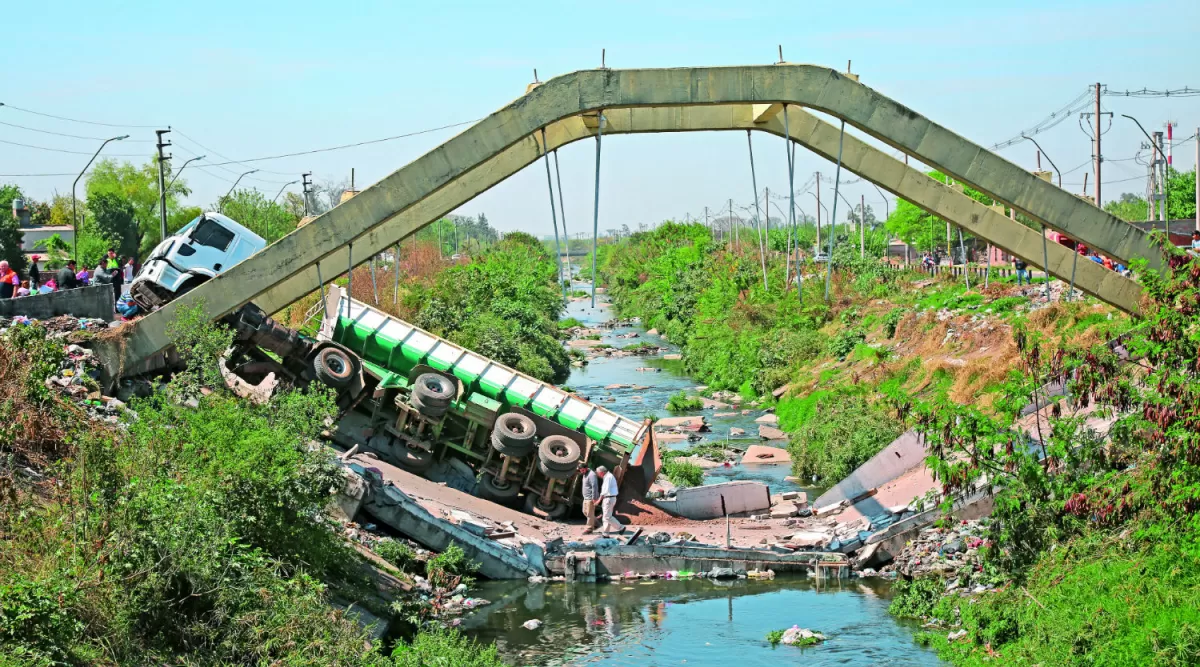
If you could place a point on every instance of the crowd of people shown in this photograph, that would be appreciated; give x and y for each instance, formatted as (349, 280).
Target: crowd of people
(110, 271)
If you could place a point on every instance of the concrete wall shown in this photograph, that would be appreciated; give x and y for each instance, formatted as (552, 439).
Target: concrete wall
(704, 502)
(94, 301)
(904, 454)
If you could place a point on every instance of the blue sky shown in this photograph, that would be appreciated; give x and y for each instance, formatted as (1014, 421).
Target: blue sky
(249, 79)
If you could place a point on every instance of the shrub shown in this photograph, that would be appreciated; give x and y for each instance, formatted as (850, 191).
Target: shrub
(682, 473)
(775, 636)
(681, 402)
(891, 321)
(450, 568)
(848, 431)
(445, 648)
(916, 598)
(397, 553)
(844, 342)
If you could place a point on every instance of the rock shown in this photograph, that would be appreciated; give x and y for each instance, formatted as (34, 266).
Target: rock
(726, 414)
(952, 547)
(956, 635)
(672, 357)
(769, 418)
(790, 495)
(771, 433)
(735, 432)
(809, 539)
(532, 624)
(783, 511)
(722, 573)
(652, 332)
(766, 454)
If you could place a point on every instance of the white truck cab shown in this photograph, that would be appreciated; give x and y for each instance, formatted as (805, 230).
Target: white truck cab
(200, 250)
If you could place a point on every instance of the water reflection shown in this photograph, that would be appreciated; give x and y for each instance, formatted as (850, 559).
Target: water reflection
(697, 622)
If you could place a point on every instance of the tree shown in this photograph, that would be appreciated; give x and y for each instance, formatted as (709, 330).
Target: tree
(1181, 189)
(856, 215)
(115, 219)
(1129, 207)
(11, 235)
(265, 218)
(294, 204)
(139, 187)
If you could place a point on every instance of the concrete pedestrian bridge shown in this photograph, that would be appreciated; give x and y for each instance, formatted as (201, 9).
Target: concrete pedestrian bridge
(568, 109)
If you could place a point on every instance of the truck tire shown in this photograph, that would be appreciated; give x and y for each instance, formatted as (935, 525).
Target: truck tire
(333, 367)
(553, 473)
(497, 491)
(514, 434)
(554, 511)
(434, 411)
(433, 389)
(558, 452)
(412, 459)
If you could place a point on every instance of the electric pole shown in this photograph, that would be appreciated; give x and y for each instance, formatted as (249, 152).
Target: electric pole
(818, 249)
(862, 226)
(1099, 158)
(162, 182)
(307, 185)
(706, 219)
(1198, 179)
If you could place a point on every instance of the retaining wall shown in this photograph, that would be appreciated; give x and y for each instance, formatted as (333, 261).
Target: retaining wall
(95, 301)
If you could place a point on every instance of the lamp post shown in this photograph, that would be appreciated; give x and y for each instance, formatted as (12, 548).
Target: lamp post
(1039, 147)
(235, 184)
(185, 164)
(1166, 190)
(282, 189)
(74, 215)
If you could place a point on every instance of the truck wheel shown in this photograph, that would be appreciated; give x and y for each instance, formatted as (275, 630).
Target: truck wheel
(433, 389)
(412, 459)
(514, 434)
(430, 411)
(333, 367)
(553, 473)
(499, 491)
(554, 511)
(558, 452)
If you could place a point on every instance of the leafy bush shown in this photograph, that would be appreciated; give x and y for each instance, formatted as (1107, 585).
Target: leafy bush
(891, 321)
(681, 402)
(682, 473)
(775, 636)
(450, 568)
(397, 553)
(844, 342)
(916, 598)
(445, 648)
(848, 431)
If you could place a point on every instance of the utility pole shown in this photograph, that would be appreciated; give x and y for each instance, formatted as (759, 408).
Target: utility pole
(1198, 179)
(862, 226)
(162, 182)
(706, 219)
(818, 212)
(732, 229)
(307, 189)
(1099, 157)
(1160, 176)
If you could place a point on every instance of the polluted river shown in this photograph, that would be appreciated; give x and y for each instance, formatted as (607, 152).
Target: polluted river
(695, 622)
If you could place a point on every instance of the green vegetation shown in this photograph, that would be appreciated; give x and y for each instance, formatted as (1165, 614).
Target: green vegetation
(187, 535)
(450, 568)
(846, 431)
(398, 553)
(1096, 538)
(775, 636)
(503, 304)
(683, 473)
(681, 402)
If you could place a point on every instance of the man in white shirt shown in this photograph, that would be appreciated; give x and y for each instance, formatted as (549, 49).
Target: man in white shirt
(608, 500)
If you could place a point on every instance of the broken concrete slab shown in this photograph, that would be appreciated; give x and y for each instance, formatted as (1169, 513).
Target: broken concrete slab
(704, 502)
(903, 454)
(765, 454)
(694, 423)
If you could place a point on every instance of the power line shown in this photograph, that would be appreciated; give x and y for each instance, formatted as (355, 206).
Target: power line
(345, 146)
(71, 136)
(1178, 92)
(1078, 104)
(226, 157)
(74, 120)
(64, 150)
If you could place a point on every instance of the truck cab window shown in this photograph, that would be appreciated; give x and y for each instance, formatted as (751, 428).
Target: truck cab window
(209, 233)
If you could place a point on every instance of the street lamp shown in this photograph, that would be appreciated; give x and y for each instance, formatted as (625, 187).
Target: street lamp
(74, 215)
(282, 189)
(168, 186)
(235, 184)
(1166, 189)
(1039, 147)
(887, 209)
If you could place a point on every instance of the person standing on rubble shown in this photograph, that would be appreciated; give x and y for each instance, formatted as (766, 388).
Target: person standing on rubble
(591, 492)
(608, 500)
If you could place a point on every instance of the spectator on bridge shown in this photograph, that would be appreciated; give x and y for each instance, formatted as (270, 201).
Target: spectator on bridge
(591, 493)
(66, 276)
(608, 501)
(9, 281)
(1022, 271)
(35, 272)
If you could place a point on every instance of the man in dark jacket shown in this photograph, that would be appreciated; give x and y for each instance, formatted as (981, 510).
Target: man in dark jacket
(35, 273)
(66, 276)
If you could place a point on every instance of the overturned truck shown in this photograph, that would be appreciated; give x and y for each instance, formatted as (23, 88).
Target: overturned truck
(413, 399)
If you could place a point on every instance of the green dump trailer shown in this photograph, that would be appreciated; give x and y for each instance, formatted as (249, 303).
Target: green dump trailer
(427, 399)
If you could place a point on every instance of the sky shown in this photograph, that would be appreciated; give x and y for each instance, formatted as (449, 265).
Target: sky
(242, 80)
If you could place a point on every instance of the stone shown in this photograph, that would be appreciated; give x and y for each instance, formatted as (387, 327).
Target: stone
(722, 573)
(783, 511)
(735, 432)
(797, 635)
(771, 433)
(532, 624)
(809, 539)
(672, 357)
(956, 635)
(769, 418)
(652, 332)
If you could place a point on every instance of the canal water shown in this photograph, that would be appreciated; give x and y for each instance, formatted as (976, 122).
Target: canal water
(695, 622)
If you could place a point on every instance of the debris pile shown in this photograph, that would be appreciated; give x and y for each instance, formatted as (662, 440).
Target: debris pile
(74, 329)
(948, 552)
